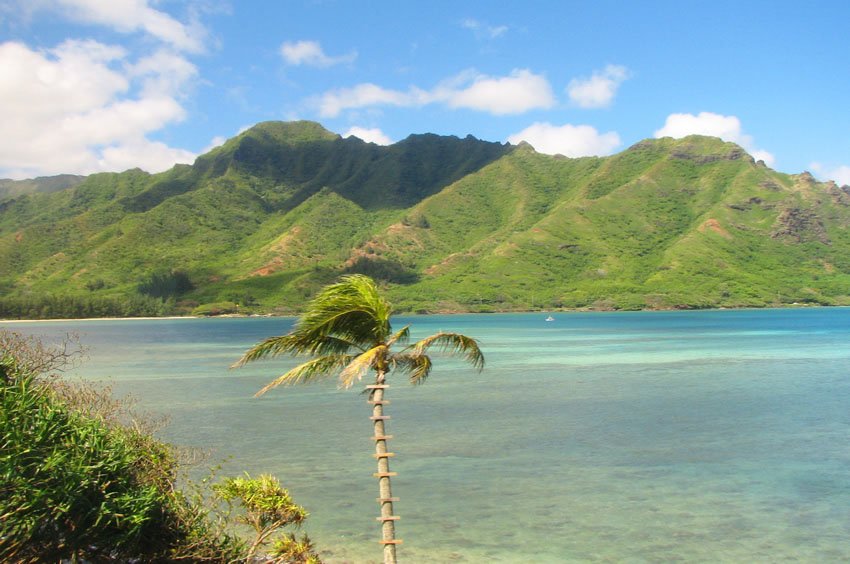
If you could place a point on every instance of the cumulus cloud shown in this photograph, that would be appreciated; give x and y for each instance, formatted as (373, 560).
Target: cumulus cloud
(370, 135)
(163, 73)
(84, 107)
(151, 156)
(840, 174)
(483, 30)
(568, 140)
(127, 16)
(599, 89)
(310, 53)
(516, 93)
(331, 104)
(727, 128)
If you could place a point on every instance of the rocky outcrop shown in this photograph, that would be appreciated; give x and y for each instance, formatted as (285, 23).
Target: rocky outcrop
(799, 225)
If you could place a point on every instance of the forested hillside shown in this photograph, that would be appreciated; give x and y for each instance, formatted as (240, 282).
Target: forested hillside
(448, 224)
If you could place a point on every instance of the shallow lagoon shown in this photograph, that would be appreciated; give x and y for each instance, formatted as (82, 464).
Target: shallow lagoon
(641, 437)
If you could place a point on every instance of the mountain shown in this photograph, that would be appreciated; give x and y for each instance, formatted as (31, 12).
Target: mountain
(13, 188)
(447, 224)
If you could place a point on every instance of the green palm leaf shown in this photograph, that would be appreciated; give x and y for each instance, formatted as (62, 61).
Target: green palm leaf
(371, 359)
(400, 337)
(319, 367)
(418, 367)
(454, 343)
(351, 309)
(295, 344)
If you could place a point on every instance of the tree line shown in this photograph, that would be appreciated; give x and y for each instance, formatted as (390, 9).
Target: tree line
(80, 306)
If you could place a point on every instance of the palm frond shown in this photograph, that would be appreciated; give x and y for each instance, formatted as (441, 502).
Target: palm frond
(418, 366)
(295, 344)
(401, 336)
(330, 345)
(310, 370)
(453, 343)
(351, 309)
(373, 358)
(273, 346)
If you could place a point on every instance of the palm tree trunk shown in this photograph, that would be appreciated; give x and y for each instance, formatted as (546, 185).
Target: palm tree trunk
(385, 498)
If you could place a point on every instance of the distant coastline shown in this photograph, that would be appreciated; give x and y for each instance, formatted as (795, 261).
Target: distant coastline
(438, 312)
(97, 319)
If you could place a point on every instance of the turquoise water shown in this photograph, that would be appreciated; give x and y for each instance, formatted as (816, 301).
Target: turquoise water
(636, 437)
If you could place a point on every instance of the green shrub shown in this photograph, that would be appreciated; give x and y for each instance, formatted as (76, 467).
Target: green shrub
(218, 308)
(82, 478)
(166, 284)
(268, 507)
(77, 484)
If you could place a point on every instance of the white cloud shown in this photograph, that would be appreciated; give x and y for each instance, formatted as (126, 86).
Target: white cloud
(599, 90)
(762, 155)
(568, 140)
(151, 156)
(370, 135)
(84, 107)
(483, 30)
(164, 73)
(364, 95)
(840, 174)
(127, 16)
(216, 141)
(514, 94)
(727, 128)
(310, 53)
(517, 93)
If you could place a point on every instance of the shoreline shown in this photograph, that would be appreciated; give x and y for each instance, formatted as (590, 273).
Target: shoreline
(438, 312)
(96, 319)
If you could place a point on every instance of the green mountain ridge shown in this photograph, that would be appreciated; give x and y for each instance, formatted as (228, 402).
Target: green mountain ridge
(447, 224)
(13, 188)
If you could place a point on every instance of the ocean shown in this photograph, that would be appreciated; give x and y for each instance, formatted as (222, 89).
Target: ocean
(719, 436)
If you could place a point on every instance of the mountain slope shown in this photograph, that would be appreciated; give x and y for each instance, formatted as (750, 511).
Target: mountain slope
(448, 224)
(14, 188)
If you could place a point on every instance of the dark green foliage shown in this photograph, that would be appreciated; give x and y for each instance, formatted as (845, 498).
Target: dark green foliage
(83, 306)
(218, 308)
(383, 269)
(166, 284)
(417, 220)
(75, 483)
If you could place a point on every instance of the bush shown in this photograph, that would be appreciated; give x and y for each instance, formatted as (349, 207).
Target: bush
(83, 478)
(166, 284)
(218, 308)
(76, 485)
(267, 508)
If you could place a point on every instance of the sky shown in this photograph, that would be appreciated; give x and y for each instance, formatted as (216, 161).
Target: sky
(105, 85)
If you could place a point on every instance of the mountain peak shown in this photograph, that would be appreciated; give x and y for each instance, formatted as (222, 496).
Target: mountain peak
(289, 132)
(700, 148)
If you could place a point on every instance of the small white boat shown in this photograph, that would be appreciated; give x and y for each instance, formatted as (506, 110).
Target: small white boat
(550, 318)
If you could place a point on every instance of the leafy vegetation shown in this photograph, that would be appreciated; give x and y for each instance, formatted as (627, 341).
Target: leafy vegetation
(446, 224)
(83, 479)
(165, 284)
(82, 306)
(13, 188)
(268, 508)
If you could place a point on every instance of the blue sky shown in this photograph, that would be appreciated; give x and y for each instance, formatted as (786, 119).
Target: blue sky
(94, 85)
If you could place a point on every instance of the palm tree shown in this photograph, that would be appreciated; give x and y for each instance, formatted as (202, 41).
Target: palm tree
(346, 329)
